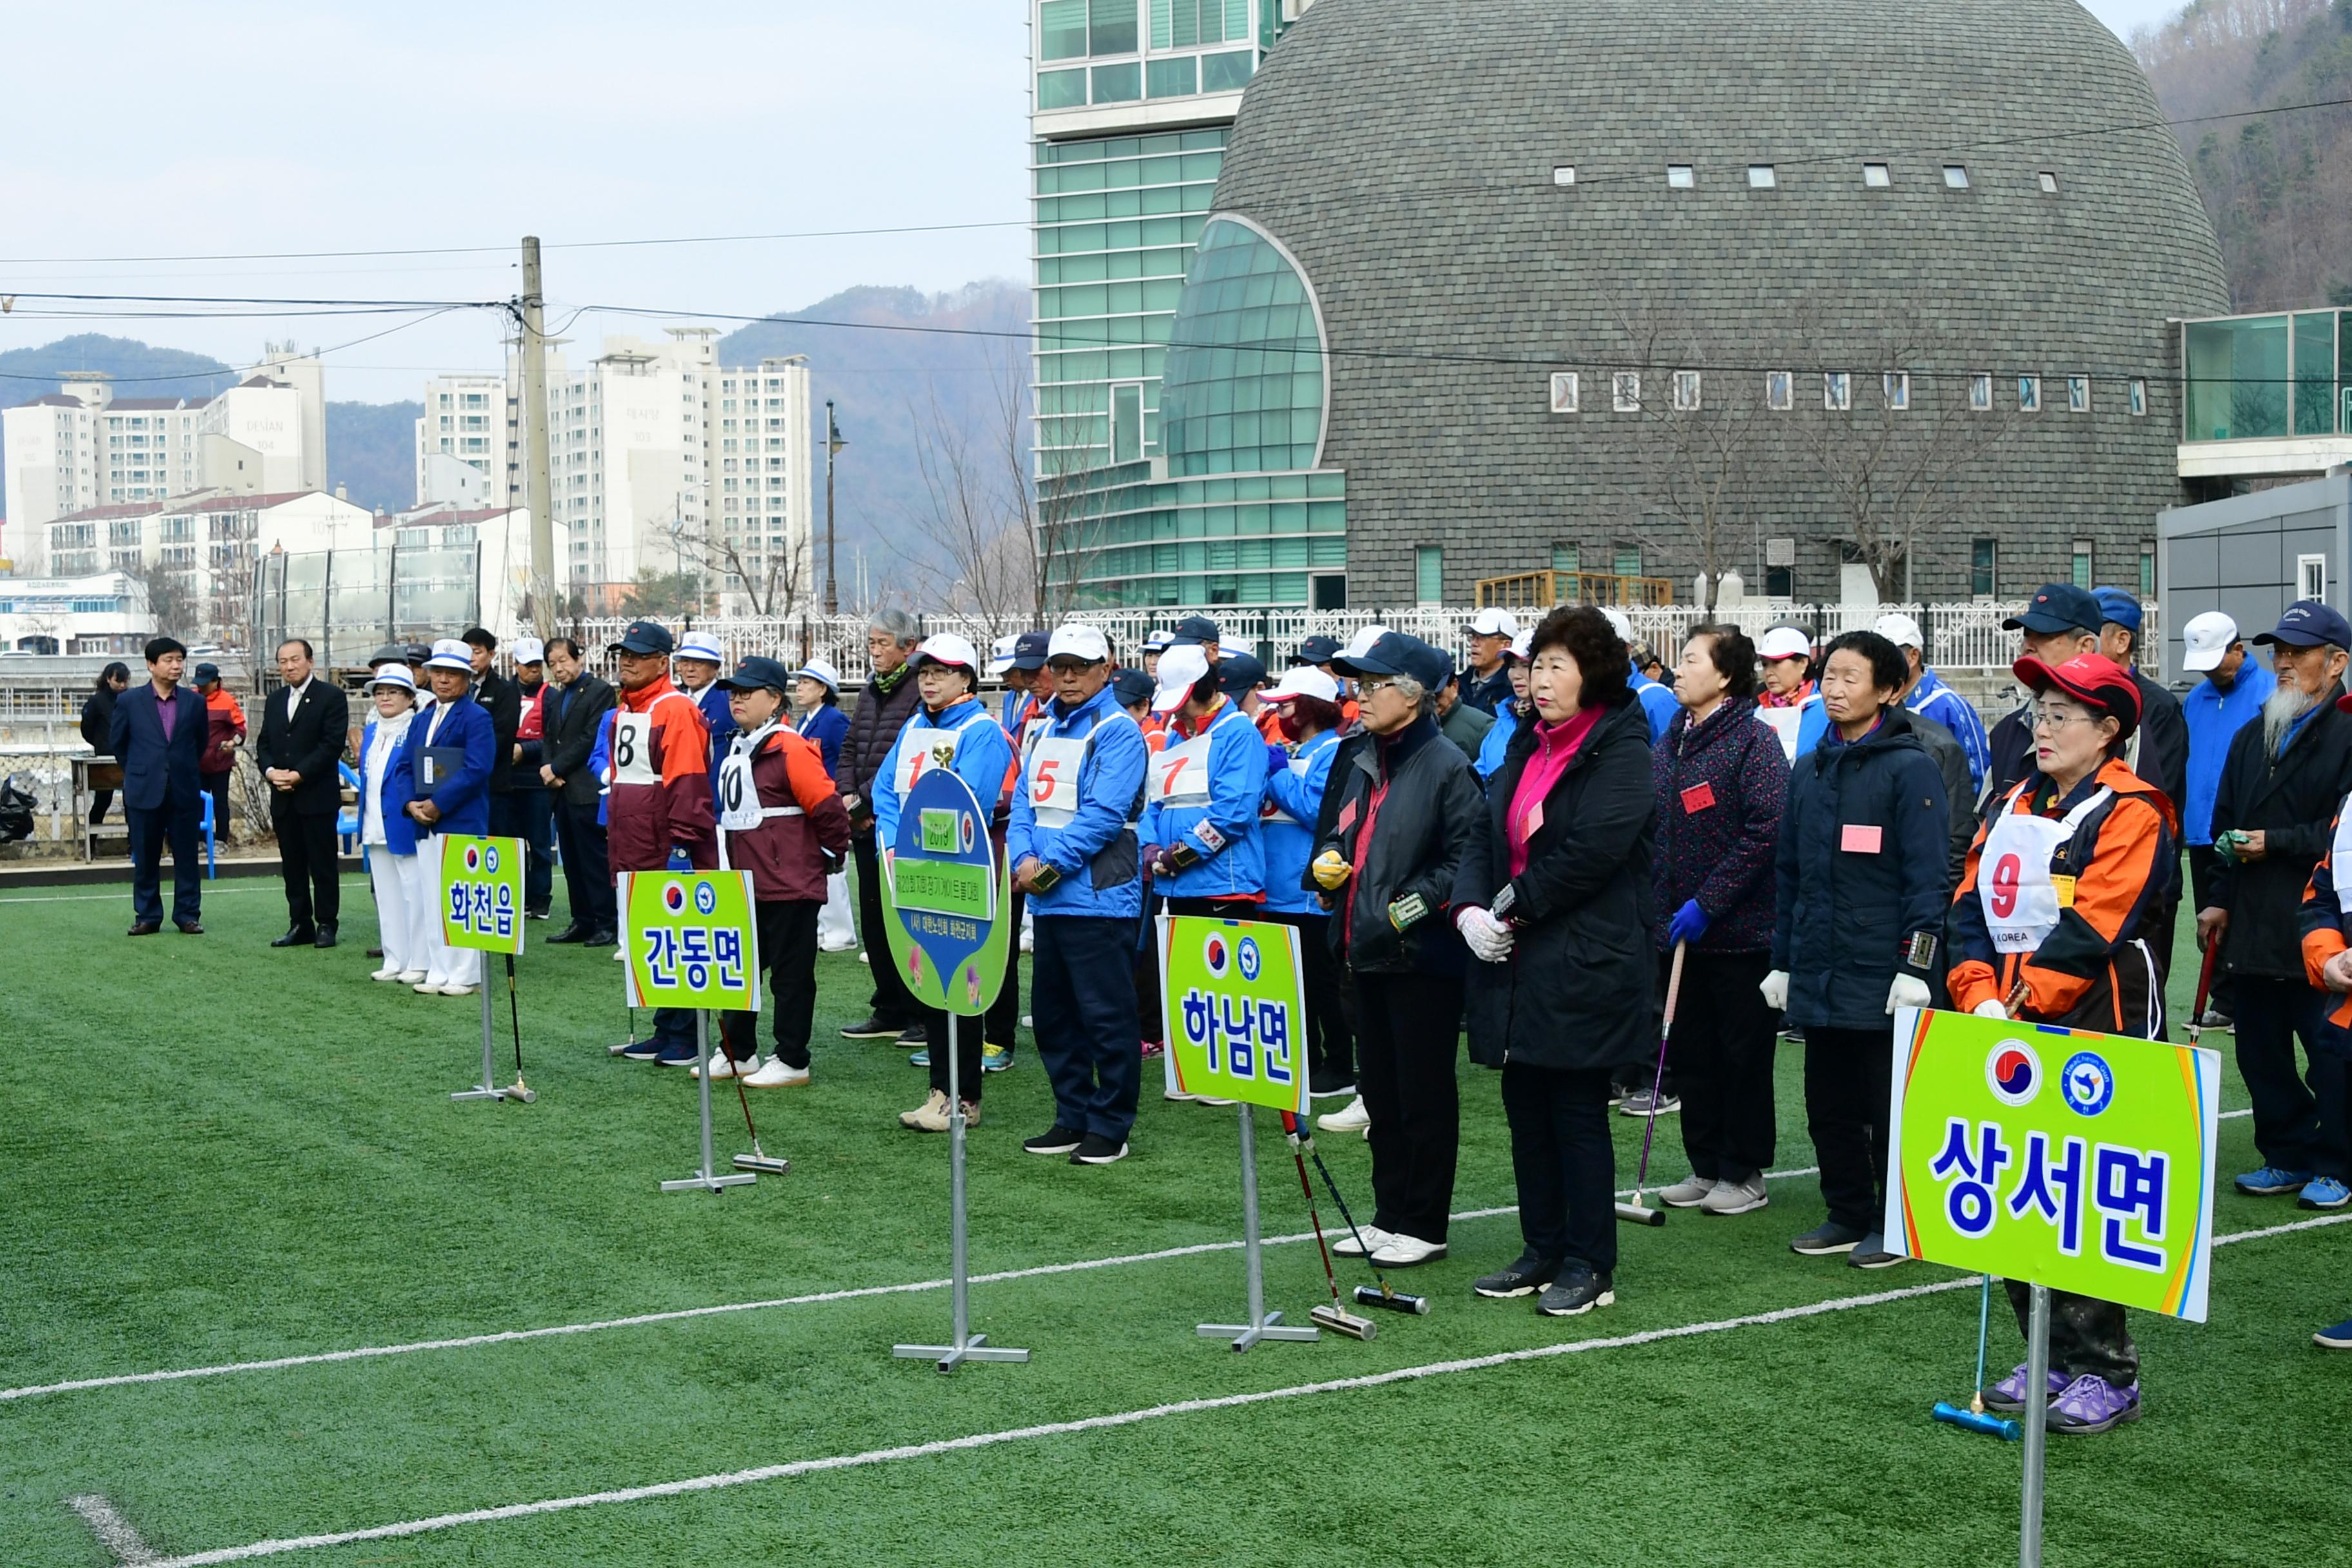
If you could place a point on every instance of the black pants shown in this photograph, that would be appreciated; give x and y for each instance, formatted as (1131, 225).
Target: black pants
(787, 929)
(2086, 1336)
(1409, 1029)
(2297, 1126)
(1082, 989)
(891, 1001)
(936, 1025)
(1563, 1162)
(535, 824)
(587, 868)
(2159, 933)
(1002, 1027)
(1848, 1073)
(1330, 1046)
(307, 858)
(1147, 1017)
(1721, 1053)
(99, 799)
(176, 822)
(216, 785)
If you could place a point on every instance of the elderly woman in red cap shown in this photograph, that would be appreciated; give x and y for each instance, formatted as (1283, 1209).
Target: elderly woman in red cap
(2051, 925)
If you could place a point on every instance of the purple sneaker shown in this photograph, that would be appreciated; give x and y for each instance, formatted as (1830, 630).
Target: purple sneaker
(2091, 1404)
(2008, 1395)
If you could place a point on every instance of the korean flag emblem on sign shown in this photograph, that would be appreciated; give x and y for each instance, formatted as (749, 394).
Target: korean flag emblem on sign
(473, 859)
(1214, 954)
(674, 897)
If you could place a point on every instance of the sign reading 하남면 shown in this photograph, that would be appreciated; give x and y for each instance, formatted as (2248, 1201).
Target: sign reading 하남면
(2063, 1158)
(691, 940)
(1234, 1006)
(482, 893)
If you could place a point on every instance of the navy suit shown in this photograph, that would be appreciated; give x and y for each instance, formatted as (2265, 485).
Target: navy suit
(163, 796)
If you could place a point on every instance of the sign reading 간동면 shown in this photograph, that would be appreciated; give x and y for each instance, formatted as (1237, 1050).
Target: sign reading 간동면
(944, 885)
(1233, 1000)
(482, 893)
(2055, 1156)
(691, 940)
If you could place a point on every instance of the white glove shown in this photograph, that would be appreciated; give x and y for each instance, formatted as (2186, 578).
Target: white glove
(1490, 940)
(1908, 991)
(1988, 1008)
(1775, 988)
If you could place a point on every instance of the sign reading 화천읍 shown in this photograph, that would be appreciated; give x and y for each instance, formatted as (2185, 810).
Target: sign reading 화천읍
(944, 886)
(482, 893)
(2055, 1156)
(1234, 1002)
(691, 940)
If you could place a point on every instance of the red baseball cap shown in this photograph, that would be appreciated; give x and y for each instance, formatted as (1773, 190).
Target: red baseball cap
(2092, 678)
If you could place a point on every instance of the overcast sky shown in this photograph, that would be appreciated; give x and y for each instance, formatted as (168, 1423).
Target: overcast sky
(244, 126)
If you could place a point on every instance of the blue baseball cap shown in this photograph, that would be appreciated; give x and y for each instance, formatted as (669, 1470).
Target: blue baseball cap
(758, 673)
(1029, 650)
(2307, 623)
(1133, 686)
(1196, 629)
(645, 637)
(1397, 654)
(1319, 650)
(2058, 608)
(1240, 673)
(2118, 607)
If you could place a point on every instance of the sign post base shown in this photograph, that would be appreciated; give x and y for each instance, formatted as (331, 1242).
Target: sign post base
(968, 1346)
(487, 1088)
(708, 1178)
(1262, 1324)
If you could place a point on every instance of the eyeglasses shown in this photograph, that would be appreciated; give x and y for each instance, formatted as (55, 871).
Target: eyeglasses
(2059, 718)
(1373, 685)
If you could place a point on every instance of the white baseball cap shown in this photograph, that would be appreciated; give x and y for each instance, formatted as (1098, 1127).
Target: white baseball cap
(1785, 642)
(1361, 643)
(1901, 630)
(1523, 645)
(1621, 623)
(448, 653)
(1181, 669)
(395, 675)
(530, 650)
(1000, 654)
(701, 645)
(2206, 640)
(1158, 639)
(1494, 623)
(1303, 681)
(820, 669)
(1079, 642)
(946, 648)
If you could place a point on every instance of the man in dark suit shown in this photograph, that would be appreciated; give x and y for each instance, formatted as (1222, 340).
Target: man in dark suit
(302, 729)
(157, 734)
(576, 704)
(501, 698)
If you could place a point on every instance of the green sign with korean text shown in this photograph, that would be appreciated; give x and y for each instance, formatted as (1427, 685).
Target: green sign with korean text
(482, 893)
(1234, 1003)
(691, 940)
(2055, 1156)
(944, 885)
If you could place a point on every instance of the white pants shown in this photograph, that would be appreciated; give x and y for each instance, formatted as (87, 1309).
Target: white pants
(837, 923)
(399, 918)
(442, 965)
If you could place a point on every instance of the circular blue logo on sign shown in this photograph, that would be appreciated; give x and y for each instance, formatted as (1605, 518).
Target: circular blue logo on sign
(706, 898)
(2088, 1083)
(490, 859)
(1248, 955)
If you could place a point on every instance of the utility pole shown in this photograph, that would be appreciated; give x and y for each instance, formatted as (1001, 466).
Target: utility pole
(833, 443)
(541, 492)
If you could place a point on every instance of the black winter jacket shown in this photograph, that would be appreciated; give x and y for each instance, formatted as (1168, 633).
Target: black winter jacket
(569, 722)
(1864, 846)
(1428, 815)
(2291, 799)
(874, 726)
(1575, 991)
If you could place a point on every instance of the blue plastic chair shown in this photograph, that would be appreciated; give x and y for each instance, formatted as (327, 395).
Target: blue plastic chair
(347, 817)
(212, 870)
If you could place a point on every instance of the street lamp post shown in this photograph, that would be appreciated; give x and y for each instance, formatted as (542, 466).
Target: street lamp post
(833, 443)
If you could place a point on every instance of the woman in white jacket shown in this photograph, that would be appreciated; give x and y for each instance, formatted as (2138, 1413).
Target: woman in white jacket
(401, 916)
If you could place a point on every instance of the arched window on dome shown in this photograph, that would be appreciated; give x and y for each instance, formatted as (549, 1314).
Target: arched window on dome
(1246, 384)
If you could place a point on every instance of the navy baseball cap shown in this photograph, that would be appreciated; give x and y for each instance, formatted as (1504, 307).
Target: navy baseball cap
(206, 672)
(1196, 629)
(2117, 607)
(2058, 608)
(645, 637)
(1133, 686)
(2307, 623)
(1319, 650)
(1029, 650)
(417, 653)
(1397, 654)
(1239, 673)
(758, 673)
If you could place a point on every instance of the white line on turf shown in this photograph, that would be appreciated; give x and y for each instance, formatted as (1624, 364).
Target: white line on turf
(124, 892)
(1116, 1418)
(113, 1532)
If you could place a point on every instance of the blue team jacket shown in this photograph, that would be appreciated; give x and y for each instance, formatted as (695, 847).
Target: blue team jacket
(2214, 718)
(1089, 841)
(1659, 705)
(1216, 812)
(463, 797)
(827, 724)
(982, 755)
(1496, 747)
(1294, 799)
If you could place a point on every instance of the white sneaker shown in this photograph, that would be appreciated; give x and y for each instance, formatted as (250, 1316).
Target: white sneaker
(1686, 1193)
(619, 955)
(409, 976)
(1349, 1118)
(864, 958)
(776, 1075)
(836, 946)
(454, 990)
(387, 973)
(426, 987)
(1178, 1095)
(723, 1066)
(1373, 1239)
(1404, 1251)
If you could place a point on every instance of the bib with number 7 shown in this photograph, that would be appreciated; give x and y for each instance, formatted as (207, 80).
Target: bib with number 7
(1180, 774)
(2014, 885)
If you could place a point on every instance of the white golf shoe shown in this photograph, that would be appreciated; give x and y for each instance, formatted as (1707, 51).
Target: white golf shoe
(723, 1066)
(1349, 1118)
(776, 1075)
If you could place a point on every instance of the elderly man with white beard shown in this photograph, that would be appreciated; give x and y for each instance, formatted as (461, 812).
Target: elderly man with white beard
(2284, 780)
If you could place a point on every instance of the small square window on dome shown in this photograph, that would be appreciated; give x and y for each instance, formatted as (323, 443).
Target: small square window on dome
(1981, 393)
(1956, 177)
(2048, 179)
(1761, 177)
(1681, 177)
(1564, 392)
(1780, 389)
(1563, 173)
(1877, 176)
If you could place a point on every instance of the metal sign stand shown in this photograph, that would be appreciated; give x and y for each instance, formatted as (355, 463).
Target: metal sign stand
(708, 1178)
(487, 1088)
(968, 1346)
(2037, 1430)
(1262, 1324)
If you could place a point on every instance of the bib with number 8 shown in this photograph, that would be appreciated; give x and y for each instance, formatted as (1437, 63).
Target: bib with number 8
(633, 749)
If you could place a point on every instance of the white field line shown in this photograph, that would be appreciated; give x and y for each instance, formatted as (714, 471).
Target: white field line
(123, 891)
(1099, 1423)
(113, 1532)
(644, 1319)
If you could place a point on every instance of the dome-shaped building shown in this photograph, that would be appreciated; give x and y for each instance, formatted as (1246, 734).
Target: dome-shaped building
(1632, 287)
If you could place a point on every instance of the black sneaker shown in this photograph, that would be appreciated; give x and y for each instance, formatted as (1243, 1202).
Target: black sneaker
(608, 936)
(1871, 1253)
(575, 932)
(1525, 1277)
(1056, 1140)
(915, 1035)
(1095, 1149)
(1577, 1292)
(641, 1051)
(1827, 1239)
(1330, 1083)
(874, 1028)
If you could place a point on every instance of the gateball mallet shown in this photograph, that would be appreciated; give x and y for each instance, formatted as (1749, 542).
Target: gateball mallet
(1974, 1418)
(2204, 989)
(1335, 1317)
(521, 1091)
(1637, 1212)
(1384, 1296)
(759, 1159)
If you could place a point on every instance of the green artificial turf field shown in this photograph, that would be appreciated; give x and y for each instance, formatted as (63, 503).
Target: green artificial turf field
(211, 1152)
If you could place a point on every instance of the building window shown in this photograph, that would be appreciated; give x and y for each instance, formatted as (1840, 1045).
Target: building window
(1877, 176)
(1627, 561)
(1429, 573)
(1681, 177)
(1563, 392)
(2147, 568)
(1126, 425)
(1896, 385)
(1625, 391)
(1179, 77)
(1062, 90)
(1564, 557)
(1837, 391)
(1980, 394)
(1111, 27)
(2028, 395)
(1062, 30)
(2049, 178)
(1563, 173)
(2083, 564)
(1780, 389)
(1983, 555)
(1956, 177)
(2078, 394)
(1120, 83)
(2311, 576)
(1760, 177)
(1686, 392)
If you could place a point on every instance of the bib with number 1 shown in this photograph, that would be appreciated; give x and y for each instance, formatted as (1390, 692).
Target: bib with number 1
(922, 750)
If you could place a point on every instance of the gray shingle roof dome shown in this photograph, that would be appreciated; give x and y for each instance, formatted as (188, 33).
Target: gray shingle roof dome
(1405, 153)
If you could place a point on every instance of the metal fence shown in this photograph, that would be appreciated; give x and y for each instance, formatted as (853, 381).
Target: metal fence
(349, 602)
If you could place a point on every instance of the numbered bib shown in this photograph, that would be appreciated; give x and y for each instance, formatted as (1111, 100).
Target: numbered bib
(739, 797)
(1273, 813)
(2019, 896)
(1180, 774)
(633, 749)
(1054, 768)
(921, 751)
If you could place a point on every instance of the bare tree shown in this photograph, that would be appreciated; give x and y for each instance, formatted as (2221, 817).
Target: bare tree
(770, 578)
(1697, 433)
(173, 599)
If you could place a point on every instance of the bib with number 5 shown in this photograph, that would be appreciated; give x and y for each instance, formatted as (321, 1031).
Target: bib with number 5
(1054, 765)
(633, 749)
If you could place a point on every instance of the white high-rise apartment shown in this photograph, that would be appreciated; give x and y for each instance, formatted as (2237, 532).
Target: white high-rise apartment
(762, 537)
(469, 442)
(629, 454)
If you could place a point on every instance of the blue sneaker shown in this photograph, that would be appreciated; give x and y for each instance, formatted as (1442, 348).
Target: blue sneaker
(921, 1058)
(994, 1058)
(2338, 1338)
(2269, 1182)
(685, 1053)
(641, 1051)
(2324, 1193)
